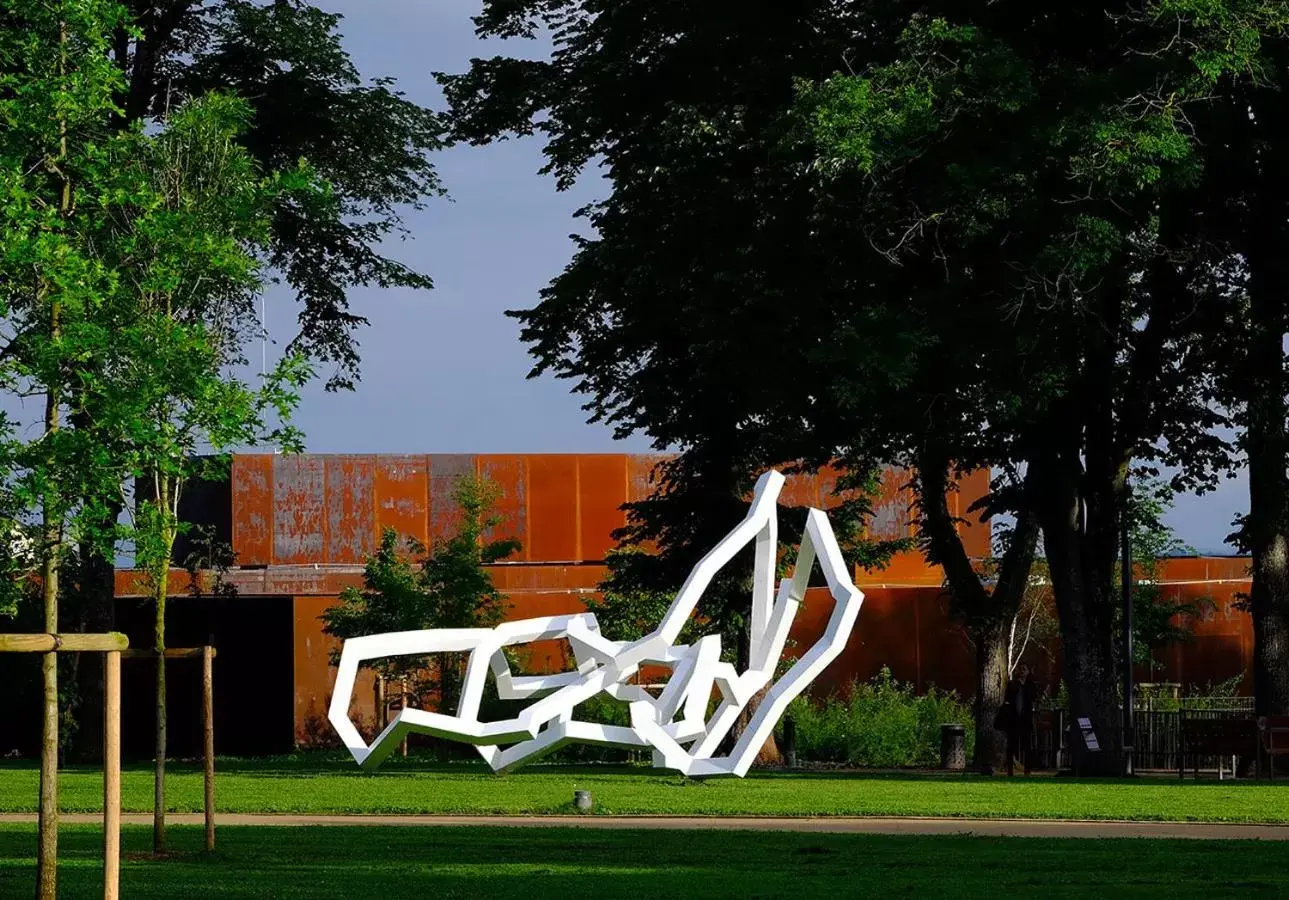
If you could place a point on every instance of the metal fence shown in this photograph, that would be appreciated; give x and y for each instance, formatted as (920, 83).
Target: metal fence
(1156, 737)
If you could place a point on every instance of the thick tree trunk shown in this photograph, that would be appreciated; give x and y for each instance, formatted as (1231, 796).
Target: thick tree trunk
(1270, 608)
(1266, 441)
(1267, 531)
(991, 687)
(1081, 589)
(769, 754)
(987, 613)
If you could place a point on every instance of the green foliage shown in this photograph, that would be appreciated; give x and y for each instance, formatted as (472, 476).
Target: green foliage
(307, 101)
(61, 186)
(631, 605)
(407, 587)
(882, 723)
(1222, 695)
(194, 273)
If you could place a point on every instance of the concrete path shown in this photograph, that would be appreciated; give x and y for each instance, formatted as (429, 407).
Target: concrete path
(831, 825)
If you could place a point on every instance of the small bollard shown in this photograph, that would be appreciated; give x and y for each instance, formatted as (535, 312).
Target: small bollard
(953, 747)
(582, 801)
(790, 742)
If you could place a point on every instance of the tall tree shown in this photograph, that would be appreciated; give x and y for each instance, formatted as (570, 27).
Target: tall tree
(1060, 171)
(1243, 133)
(366, 139)
(720, 307)
(194, 274)
(990, 235)
(363, 137)
(66, 179)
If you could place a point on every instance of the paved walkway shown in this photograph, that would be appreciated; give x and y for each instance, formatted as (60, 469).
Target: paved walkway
(833, 825)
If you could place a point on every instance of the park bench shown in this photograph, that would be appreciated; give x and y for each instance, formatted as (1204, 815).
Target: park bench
(1273, 732)
(1223, 736)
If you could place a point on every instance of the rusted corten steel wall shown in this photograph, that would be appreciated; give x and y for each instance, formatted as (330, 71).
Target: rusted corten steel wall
(907, 629)
(302, 527)
(330, 510)
(314, 510)
(310, 521)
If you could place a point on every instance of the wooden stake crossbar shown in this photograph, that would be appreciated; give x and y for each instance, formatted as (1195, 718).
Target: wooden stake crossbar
(207, 655)
(112, 645)
(63, 643)
(180, 653)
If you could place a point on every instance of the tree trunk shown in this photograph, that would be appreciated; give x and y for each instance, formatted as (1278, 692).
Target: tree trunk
(769, 754)
(991, 687)
(1080, 537)
(96, 616)
(52, 533)
(1266, 442)
(1267, 531)
(1087, 643)
(47, 875)
(985, 612)
(159, 786)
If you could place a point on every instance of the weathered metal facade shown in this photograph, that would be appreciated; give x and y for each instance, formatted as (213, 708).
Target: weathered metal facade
(302, 527)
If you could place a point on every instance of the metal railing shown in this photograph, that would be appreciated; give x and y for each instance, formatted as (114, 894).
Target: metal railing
(1157, 740)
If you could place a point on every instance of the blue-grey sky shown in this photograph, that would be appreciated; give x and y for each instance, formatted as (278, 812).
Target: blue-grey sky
(444, 371)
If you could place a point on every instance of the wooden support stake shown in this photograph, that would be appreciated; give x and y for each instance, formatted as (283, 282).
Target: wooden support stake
(208, 726)
(62, 643)
(171, 653)
(112, 775)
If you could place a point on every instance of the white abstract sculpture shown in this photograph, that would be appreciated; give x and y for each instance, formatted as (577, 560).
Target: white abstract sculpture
(675, 723)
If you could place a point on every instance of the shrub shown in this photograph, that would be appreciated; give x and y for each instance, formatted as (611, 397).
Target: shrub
(882, 723)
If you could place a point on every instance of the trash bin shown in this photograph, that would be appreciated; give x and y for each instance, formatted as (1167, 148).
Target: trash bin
(953, 747)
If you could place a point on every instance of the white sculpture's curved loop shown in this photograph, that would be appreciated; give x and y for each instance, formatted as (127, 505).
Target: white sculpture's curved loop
(675, 723)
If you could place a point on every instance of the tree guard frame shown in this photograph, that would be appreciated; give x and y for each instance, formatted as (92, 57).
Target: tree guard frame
(112, 645)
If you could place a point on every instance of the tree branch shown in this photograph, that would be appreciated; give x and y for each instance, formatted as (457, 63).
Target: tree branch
(943, 541)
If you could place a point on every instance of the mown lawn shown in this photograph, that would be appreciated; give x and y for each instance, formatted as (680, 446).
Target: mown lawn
(562, 863)
(334, 787)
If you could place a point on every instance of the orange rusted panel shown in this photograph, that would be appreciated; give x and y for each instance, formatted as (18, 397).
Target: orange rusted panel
(402, 495)
(351, 509)
(829, 493)
(134, 583)
(945, 655)
(314, 677)
(601, 491)
(445, 470)
(510, 475)
(640, 475)
(976, 535)
(907, 568)
(252, 498)
(800, 490)
(299, 513)
(524, 578)
(892, 507)
(553, 527)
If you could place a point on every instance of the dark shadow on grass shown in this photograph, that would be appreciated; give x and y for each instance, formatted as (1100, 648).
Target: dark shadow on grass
(561, 863)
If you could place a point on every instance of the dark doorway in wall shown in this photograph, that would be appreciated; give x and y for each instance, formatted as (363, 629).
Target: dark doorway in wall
(254, 676)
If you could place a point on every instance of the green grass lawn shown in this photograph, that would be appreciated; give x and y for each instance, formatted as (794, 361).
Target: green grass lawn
(563, 863)
(313, 785)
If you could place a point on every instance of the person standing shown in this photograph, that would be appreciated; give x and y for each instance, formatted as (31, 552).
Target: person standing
(1017, 718)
